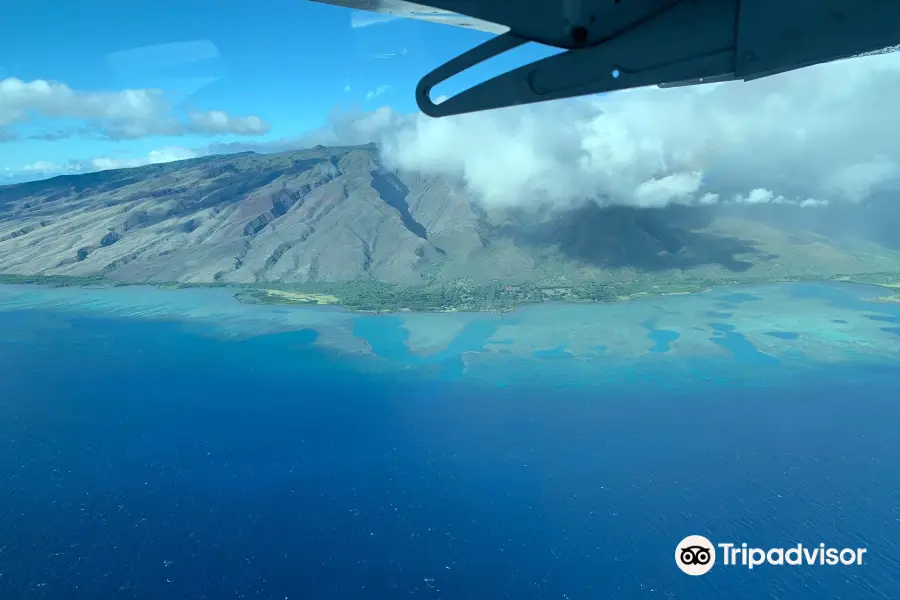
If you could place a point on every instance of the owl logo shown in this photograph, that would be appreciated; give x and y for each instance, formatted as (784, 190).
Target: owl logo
(695, 555)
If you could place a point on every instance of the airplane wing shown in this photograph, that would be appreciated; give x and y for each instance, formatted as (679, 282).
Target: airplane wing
(391, 9)
(620, 44)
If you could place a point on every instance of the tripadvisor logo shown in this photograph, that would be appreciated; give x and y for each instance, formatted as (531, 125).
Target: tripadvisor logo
(696, 555)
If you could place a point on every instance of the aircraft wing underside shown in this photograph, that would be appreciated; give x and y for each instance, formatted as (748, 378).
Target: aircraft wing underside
(620, 44)
(420, 12)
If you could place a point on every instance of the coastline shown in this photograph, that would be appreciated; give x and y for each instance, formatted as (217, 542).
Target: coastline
(475, 297)
(762, 324)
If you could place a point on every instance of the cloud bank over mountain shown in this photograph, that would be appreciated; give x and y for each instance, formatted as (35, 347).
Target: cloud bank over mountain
(822, 134)
(825, 134)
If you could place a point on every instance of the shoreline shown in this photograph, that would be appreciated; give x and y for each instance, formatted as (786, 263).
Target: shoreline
(733, 320)
(457, 296)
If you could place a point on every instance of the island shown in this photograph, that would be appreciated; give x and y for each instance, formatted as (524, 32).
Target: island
(335, 226)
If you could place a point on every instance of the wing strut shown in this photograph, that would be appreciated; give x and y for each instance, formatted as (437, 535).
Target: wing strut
(692, 40)
(462, 102)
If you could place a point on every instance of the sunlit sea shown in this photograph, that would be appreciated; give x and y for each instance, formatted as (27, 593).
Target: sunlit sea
(165, 445)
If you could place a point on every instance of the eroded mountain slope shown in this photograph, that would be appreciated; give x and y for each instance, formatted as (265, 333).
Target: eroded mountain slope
(338, 214)
(328, 215)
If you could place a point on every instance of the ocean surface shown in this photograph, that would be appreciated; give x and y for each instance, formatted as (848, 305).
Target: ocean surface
(163, 445)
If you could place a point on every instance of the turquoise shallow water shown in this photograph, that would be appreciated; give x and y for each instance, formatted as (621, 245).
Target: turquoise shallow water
(823, 323)
(158, 444)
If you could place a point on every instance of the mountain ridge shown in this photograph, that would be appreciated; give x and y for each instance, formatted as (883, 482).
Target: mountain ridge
(340, 215)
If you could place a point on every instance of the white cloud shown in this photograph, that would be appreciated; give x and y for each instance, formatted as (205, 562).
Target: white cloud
(760, 196)
(378, 91)
(668, 189)
(856, 181)
(825, 133)
(41, 166)
(809, 202)
(217, 122)
(162, 155)
(124, 114)
(812, 137)
(345, 128)
(44, 168)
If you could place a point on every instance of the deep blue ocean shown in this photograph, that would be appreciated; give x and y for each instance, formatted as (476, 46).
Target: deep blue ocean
(142, 459)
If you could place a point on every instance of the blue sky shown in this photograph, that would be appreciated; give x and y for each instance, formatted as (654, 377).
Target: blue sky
(288, 63)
